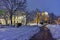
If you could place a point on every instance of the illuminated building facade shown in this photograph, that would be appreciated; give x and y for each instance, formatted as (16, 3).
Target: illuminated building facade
(18, 17)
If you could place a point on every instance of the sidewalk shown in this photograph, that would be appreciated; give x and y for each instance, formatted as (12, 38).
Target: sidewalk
(44, 34)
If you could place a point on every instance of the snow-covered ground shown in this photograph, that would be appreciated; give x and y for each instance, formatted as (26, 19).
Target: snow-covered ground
(25, 32)
(55, 30)
(22, 33)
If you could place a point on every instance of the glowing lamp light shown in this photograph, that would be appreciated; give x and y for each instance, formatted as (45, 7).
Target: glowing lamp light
(46, 13)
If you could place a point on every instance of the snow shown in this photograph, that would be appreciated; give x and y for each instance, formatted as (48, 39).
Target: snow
(55, 30)
(32, 24)
(26, 32)
(22, 33)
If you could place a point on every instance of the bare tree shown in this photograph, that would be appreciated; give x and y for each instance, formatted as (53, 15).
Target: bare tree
(5, 16)
(13, 5)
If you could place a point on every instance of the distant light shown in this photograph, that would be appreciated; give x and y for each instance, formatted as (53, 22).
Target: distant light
(46, 13)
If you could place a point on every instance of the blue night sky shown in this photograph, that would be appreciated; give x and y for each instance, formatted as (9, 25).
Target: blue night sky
(45, 5)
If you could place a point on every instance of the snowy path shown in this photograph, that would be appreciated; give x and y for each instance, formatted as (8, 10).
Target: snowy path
(55, 30)
(22, 33)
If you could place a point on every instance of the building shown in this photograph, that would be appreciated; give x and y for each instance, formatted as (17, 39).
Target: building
(18, 17)
(58, 20)
(40, 17)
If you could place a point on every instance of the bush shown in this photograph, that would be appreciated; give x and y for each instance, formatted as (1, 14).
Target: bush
(19, 24)
(41, 23)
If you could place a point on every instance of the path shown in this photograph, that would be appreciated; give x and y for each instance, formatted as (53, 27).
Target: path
(44, 34)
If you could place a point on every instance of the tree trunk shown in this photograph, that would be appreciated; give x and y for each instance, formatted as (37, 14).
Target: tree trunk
(11, 17)
(6, 21)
